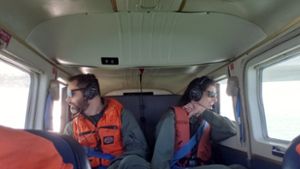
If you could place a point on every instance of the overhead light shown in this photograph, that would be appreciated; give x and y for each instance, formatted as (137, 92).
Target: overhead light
(191, 69)
(85, 70)
(64, 62)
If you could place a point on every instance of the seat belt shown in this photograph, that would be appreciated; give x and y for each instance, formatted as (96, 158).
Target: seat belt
(235, 93)
(185, 149)
(98, 154)
(238, 108)
(94, 153)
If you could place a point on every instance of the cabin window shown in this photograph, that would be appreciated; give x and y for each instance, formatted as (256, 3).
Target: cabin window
(14, 88)
(280, 96)
(57, 110)
(225, 101)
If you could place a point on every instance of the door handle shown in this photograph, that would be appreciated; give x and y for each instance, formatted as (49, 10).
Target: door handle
(278, 151)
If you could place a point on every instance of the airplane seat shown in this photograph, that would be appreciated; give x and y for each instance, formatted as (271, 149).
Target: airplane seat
(68, 148)
(291, 159)
(148, 111)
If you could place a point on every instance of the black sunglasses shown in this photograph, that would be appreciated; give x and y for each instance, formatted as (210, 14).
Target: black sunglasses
(211, 94)
(70, 93)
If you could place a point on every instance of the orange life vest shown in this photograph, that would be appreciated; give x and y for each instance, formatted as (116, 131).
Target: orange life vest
(105, 135)
(298, 149)
(21, 149)
(183, 135)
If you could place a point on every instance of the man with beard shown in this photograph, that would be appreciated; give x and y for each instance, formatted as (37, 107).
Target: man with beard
(110, 134)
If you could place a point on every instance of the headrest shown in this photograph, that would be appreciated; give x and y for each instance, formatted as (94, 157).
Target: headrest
(291, 158)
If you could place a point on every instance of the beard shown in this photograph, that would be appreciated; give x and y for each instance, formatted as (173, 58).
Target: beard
(79, 108)
(74, 109)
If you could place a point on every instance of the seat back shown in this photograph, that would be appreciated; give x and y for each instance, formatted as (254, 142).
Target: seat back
(291, 158)
(68, 148)
(148, 110)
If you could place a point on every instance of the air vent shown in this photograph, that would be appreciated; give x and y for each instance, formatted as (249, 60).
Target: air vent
(109, 61)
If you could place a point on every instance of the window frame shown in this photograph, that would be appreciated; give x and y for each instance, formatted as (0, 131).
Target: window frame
(253, 80)
(223, 77)
(33, 88)
(62, 82)
(260, 68)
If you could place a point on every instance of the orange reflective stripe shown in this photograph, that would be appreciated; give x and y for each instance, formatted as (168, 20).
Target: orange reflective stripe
(20, 149)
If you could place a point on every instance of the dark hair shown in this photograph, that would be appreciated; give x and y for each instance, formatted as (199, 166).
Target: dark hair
(89, 83)
(195, 89)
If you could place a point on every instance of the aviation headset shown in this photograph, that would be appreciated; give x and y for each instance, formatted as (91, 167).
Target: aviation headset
(92, 88)
(197, 88)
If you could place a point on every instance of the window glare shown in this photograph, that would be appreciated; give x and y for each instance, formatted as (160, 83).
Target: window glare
(226, 106)
(281, 109)
(56, 111)
(280, 96)
(14, 89)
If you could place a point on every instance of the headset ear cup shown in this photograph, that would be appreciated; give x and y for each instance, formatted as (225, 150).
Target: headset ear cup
(195, 94)
(90, 91)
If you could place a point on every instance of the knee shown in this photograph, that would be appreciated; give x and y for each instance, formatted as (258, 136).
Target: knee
(216, 166)
(134, 161)
(237, 166)
(223, 167)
